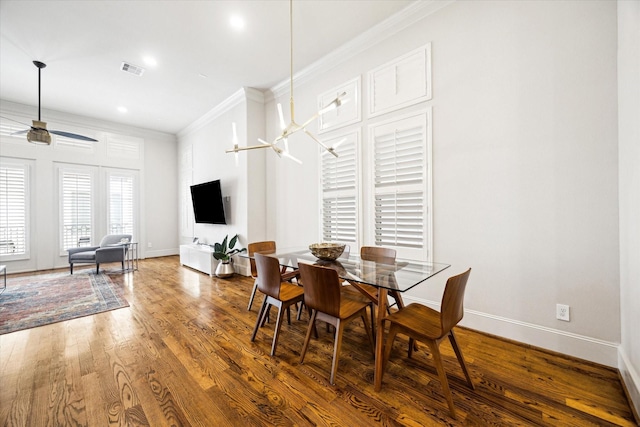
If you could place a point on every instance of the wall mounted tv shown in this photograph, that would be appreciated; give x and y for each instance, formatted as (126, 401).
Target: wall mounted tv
(207, 203)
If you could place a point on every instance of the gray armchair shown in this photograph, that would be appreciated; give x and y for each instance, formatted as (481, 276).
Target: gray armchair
(109, 250)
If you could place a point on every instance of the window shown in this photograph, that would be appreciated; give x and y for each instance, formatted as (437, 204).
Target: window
(401, 201)
(339, 191)
(14, 210)
(121, 204)
(76, 207)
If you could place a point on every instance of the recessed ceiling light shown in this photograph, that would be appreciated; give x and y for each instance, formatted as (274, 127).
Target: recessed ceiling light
(236, 22)
(150, 61)
(122, 109)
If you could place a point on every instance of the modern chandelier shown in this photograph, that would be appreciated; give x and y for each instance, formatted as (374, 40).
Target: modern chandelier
(292, 127)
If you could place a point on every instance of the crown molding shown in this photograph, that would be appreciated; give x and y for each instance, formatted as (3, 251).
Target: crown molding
(408, 16)
(241, 95)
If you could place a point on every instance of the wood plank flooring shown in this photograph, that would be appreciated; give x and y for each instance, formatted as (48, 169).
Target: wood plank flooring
(181, 355)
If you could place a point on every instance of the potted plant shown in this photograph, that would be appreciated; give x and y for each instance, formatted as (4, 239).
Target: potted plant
(223, 252)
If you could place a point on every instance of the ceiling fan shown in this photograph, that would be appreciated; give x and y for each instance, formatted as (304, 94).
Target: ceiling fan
(38, 134)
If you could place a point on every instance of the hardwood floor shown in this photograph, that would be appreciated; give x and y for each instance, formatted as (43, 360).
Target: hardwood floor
(181, 355)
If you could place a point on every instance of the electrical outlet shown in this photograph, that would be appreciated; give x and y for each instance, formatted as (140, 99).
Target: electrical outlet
(562, 312)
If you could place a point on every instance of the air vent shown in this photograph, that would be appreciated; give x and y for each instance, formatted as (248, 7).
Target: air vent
(133, 69)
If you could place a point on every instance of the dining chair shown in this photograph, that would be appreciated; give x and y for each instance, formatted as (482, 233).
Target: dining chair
(276, 292)
(266, 246)
(323, 296)
(384, 256)
(424, 324)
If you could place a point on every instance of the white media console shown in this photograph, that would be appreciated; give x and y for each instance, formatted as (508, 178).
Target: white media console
(198, 257)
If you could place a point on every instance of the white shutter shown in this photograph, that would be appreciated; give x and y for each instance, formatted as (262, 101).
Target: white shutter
(121, 204)
(399, 219)
(399, 157)
(339, 191)
(124, 147)
(399, 175)
(77, 207)
(72, 144)
(339, 219)
(13, 209)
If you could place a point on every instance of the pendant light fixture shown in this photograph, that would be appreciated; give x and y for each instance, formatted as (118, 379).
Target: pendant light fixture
(293, 127)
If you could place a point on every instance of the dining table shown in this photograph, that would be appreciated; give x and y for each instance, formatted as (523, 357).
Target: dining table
(399, 275)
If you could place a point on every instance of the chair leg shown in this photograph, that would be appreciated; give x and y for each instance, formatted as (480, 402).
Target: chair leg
(456, 349)
(260, 320)
(336, 350)
(97, 268)
(276, 332)
(253, 294)
(266, 318)
(391, 336)
(307, 338)
(71, 267)
(368, 331)
(437, 360)
(299, 310)
(373, 320)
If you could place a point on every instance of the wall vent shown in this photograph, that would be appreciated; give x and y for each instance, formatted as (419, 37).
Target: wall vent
(133, 69)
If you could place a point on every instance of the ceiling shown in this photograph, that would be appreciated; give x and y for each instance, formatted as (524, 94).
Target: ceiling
(201, 59)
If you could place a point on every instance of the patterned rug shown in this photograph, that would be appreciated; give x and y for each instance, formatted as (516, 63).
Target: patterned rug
(32, 301)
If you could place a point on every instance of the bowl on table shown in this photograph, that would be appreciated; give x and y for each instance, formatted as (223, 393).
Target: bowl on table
(327, 251)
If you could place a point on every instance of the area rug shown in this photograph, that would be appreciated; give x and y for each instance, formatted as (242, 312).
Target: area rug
(32, 301)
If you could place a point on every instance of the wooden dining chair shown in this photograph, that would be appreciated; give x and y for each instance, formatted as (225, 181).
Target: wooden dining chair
(266, 246)
(385, 256)
(323, 296)
(424, 324)
(276, 293)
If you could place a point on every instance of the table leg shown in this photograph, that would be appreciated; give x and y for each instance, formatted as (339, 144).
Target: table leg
(379, 359)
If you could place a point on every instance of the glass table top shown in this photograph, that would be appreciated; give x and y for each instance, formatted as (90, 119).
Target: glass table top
(400, 275)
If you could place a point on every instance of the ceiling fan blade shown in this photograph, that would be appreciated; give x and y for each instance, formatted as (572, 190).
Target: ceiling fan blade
(72, 135)
(16, 121)
(19, 132)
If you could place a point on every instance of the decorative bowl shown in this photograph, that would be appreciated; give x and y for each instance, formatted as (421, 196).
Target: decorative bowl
(327, 251)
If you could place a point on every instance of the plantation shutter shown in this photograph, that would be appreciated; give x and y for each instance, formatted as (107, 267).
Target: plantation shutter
(399, 184)
(13, 209)
(339, 190)
(77, 207)
(121, 200)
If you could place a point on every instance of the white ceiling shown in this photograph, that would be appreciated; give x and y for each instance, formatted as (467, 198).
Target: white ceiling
(84, 43)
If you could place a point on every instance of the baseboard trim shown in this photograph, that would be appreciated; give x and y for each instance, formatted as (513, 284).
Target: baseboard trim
(575, 345)
(161, 253)
(631, 380)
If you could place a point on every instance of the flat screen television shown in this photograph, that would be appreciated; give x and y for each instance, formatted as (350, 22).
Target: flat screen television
(207, 203)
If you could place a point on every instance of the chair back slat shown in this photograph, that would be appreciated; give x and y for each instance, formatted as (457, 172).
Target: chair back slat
(321, 288)
(268, 270)
(452, 307)
(254, 247)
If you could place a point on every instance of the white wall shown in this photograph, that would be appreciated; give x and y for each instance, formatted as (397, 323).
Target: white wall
(202, 148)
(156, 167)
(525, 165)
(629, 173)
